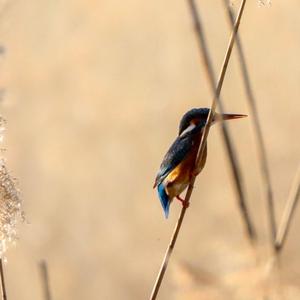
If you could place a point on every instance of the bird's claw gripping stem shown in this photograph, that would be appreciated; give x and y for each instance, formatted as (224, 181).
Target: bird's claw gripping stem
(184, 203)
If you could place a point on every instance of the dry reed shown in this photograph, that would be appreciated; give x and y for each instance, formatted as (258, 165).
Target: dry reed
(3, 287)
(259, 140)
(233, 160)
(45, 279)
(10, 211)
(288, 212)
(215, 92)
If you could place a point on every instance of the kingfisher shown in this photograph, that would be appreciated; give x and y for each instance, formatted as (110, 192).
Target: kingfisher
(178, 166)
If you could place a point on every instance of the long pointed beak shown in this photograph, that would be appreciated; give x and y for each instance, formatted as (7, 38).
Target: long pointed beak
(224, 117)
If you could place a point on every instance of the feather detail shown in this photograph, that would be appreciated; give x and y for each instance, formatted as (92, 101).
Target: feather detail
(164, 199)
(175, 155)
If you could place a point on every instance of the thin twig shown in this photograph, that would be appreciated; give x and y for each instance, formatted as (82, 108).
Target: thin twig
(261, 149)
(45, 279)
(3, 288)
(216, 93)
(287, 216)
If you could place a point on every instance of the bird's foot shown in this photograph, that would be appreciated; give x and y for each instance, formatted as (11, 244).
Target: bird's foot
(184, 203)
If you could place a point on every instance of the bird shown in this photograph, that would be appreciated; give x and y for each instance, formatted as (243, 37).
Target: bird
(178, 166)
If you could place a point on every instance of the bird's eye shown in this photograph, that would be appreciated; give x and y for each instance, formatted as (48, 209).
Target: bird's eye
(195, 122)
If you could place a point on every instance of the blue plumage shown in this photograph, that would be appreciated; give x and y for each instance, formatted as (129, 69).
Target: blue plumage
(164, 199)
(177, 152)
(184, 150)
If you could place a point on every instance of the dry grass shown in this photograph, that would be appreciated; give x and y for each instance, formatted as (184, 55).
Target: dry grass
(11, 211)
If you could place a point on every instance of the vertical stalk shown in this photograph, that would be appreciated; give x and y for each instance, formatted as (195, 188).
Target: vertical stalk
(215, 93)
(3, 288)
(45, 279)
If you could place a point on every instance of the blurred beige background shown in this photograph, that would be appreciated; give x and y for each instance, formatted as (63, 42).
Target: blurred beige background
(94, 94)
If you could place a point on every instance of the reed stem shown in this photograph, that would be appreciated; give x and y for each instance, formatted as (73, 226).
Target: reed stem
(289, 210)
(45, 279)
(3, 288)
(215, 93)
(261, 149)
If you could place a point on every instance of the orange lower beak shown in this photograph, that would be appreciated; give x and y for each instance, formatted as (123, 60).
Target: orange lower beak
(224, 117)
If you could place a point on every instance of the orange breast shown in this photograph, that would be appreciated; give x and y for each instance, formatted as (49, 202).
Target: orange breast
(178, 179)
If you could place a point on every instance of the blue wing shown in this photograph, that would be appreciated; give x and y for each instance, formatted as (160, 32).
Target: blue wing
(177, 152)
(164, 199)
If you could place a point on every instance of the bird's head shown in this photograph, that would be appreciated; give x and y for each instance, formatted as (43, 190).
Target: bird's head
(195, 119)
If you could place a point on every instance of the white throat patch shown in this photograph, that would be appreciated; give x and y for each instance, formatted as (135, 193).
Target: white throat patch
(188, 129)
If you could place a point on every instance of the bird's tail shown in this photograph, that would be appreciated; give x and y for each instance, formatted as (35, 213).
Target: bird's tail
(164, 199)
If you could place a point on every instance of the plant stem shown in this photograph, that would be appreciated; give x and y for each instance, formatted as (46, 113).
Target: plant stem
(288, 213)
(215, 93)
(3, 288)
(261, 149)
(45, 279)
